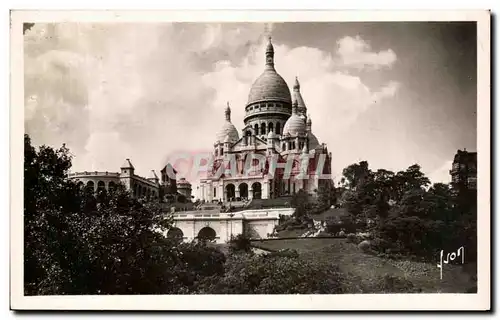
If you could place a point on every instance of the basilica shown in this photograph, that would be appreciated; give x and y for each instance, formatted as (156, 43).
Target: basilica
(276, 128)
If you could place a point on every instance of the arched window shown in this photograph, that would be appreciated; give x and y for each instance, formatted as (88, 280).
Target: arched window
(256, 128)
(221, 151)
(216, 152)
(90, 186)
(278, 128)
(249, 133)
(284, 146)
(271, 126)
(263, 128)
(101, 186)
(111, 186)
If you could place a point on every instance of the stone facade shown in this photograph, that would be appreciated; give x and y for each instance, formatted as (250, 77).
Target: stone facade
(220, 226)
(464, 169)
(151, 187)
(276, 129)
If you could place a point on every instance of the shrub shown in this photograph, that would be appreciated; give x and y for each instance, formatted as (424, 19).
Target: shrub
(391, 284)
(351, 238)
(240, 243)
(364, 246)
(275, 274)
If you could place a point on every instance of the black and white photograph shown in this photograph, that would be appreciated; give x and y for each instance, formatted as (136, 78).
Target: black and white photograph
(227, 160)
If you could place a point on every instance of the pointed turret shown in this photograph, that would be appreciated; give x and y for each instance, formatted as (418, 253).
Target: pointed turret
(295, 106)
(153, 177)
(296, 86)
(227, 112)
(127, 164)
(309, 123)
(269, 55)
(127, 169)
(301, 110)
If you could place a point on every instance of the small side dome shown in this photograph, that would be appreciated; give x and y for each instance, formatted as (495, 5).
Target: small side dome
(228, 129)
(294, 125)
(313, 141)
(271, 135)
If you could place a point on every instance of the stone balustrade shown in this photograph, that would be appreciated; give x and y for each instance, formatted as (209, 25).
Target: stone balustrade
(93, 174)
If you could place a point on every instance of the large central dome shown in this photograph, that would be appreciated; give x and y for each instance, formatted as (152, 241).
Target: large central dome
(269, 86)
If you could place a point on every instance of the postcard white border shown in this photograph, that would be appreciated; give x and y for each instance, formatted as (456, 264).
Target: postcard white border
(479, 301)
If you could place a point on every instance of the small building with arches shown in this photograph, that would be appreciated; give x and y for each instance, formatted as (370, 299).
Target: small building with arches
(151, 187)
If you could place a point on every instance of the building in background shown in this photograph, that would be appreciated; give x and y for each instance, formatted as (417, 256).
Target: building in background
(152, 187)
(184, 188)
(464, 170)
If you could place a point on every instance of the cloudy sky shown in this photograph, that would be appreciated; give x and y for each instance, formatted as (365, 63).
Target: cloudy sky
(393, 94)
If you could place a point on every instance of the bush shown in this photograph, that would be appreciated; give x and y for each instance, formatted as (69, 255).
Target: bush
(391, 284)
(364, 246)
(351, 238)
(290, 253)
(275, 274)
(240, 243)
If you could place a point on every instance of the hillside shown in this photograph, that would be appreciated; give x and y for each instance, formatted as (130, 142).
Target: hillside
(362, 269)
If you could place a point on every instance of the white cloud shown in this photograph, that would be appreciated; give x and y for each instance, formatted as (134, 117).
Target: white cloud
(334, 98)
(357, 53)
(133, 91)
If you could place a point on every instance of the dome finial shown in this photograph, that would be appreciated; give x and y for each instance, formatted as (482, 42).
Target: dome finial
(270, 54)
(296, 86)
(228, 112)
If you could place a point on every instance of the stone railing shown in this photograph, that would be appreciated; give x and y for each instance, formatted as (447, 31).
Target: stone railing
(263, 109)
(85, 174)
(262, 214)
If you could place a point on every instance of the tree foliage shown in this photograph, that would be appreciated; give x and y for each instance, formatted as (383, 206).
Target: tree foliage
(77, 242)
(300, 201)
(412, 216)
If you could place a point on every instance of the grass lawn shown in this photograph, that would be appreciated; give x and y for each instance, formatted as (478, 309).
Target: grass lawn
(301, 245)
(292, 233)
(363, 268)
